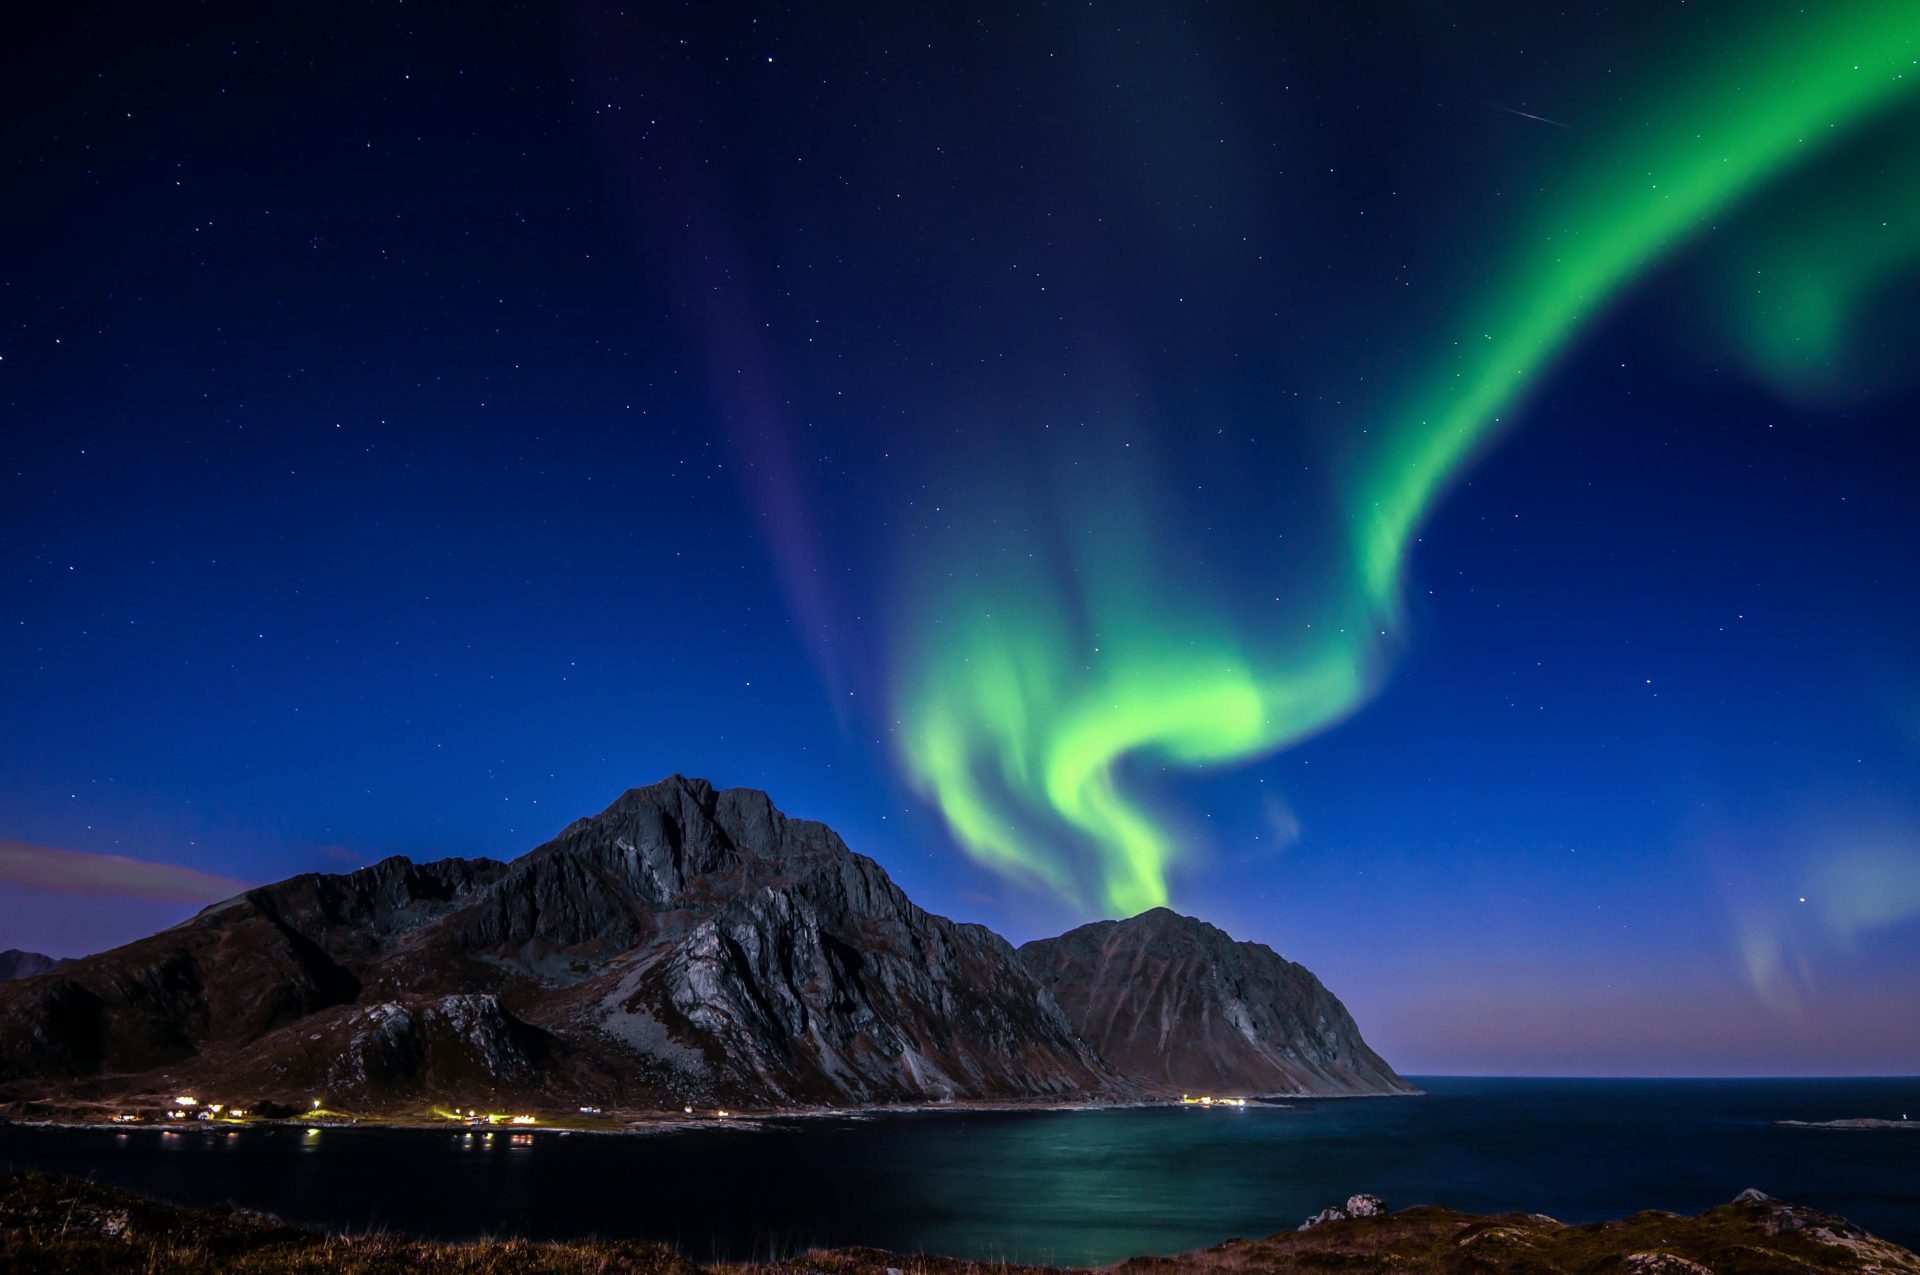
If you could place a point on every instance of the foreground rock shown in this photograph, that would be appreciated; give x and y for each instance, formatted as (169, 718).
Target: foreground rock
(1178, 1006)
(1356, 1206)
(58, 1224)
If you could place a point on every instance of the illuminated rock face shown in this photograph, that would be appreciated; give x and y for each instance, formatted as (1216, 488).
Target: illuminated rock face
(453, 1045)
(1177, 1006)
(684, 946)
(752, 958)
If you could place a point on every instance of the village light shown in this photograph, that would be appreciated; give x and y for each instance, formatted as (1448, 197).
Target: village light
(186, 1100)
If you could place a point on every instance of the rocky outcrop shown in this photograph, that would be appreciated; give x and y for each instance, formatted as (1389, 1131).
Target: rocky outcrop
(453, 1045)
(1177, 1006)
(685, 945)
(1365, 1205)
(15, 963)
(1356, 1206)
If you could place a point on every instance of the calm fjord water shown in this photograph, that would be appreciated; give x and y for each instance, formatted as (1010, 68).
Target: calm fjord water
(1066, 1187)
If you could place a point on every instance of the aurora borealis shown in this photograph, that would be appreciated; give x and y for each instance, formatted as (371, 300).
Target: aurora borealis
(1425, 488)
(1012, 728)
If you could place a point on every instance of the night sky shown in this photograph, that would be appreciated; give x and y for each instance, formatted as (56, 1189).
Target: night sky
(1427, 487)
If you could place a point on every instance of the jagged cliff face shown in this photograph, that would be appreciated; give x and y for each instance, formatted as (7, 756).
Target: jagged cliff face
(683, 946)
(746, 953)
(1178, 1006)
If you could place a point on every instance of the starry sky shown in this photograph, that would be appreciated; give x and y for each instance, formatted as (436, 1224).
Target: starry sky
(1427, 487)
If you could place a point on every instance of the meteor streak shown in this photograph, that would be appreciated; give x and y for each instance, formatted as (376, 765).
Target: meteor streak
(1527, 115)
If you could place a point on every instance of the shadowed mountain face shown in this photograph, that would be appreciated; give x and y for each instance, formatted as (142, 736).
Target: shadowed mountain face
(1177, 1006)
(17, 964)
(685, 945)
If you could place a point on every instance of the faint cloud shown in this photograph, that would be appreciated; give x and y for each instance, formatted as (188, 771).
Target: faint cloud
(110, 875)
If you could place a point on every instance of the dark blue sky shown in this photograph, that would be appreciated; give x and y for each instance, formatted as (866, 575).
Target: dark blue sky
(420, 428)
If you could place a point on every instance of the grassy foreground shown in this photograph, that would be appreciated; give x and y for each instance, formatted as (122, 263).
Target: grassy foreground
(58, 1224)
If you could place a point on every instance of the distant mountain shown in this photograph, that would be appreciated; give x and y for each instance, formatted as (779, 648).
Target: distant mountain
(1177, 1006)
(17, 964)
(683, 946)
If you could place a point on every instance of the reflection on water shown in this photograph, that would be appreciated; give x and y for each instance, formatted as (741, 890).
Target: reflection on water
(1069, 1187)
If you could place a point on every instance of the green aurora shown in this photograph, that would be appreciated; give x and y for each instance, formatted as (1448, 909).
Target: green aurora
(1027, 715)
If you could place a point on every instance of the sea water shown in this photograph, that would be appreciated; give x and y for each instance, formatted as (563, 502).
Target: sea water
(1068, 1187)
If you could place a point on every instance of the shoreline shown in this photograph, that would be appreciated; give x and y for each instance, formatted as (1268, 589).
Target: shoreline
(648, 1123)
(612, 1120)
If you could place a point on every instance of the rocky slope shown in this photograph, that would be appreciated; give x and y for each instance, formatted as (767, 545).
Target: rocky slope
(58, 1224)
(1178, 1006)
(685, 945)
(15, 963)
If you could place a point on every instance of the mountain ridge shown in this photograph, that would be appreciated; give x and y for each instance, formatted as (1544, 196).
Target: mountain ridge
(686, 946)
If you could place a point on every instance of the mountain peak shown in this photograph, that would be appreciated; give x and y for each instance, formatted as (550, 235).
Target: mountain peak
(1165, 918)
(1181, 1006)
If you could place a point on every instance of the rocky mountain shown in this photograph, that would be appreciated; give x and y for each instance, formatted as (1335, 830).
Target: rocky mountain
(685, 945)
(17, 964)
(1177, 1006)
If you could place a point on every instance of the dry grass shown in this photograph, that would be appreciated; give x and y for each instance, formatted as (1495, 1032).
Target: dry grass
(59, 1225)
